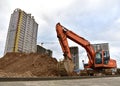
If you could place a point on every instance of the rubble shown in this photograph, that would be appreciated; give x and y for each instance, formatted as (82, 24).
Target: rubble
(27, 65)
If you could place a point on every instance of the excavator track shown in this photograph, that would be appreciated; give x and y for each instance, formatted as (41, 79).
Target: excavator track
(65, 67)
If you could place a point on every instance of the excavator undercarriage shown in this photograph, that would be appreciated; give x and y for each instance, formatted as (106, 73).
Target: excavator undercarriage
(98, 72)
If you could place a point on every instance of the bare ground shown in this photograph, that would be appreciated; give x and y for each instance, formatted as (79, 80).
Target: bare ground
(27, 65)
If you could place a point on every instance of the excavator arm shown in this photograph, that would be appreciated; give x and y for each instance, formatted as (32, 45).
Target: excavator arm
(63, 33)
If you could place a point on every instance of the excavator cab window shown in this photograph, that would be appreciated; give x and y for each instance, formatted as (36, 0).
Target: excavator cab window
(98, 59)
(106, 57)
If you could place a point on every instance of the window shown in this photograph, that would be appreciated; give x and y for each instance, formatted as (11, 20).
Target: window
(98, 59)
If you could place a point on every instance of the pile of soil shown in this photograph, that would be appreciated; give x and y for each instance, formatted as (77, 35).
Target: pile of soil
(27, 65)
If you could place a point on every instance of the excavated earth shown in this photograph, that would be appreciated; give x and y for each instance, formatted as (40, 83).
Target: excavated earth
(27, 65)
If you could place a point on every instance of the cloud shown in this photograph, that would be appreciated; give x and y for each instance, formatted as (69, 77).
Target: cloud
(96, 20)
(4, 22)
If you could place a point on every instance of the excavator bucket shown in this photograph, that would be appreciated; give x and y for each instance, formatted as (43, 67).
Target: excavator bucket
(65, 67)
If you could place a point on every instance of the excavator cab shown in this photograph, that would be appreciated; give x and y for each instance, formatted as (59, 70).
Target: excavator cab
(102, 57)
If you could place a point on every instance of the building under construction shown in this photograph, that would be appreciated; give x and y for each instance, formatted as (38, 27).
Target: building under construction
(22, 33)
(42, 50)
(75, 56)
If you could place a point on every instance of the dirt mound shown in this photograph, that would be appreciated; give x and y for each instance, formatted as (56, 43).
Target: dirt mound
(27, 65)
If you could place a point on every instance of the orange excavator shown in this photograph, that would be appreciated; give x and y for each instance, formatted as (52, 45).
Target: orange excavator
(98, 60)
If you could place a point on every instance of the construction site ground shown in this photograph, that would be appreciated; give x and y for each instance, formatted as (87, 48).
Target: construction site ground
(107, 81)
(27, 65)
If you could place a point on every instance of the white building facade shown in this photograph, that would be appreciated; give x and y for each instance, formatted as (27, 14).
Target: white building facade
(22, 33)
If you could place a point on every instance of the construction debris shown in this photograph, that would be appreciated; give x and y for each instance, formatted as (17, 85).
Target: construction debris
(27, 65)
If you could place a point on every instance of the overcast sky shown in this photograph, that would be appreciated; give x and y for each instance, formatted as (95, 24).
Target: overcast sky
(96, 20)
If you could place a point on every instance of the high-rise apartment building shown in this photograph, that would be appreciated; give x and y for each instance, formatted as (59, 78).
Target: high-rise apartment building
(22, 33)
